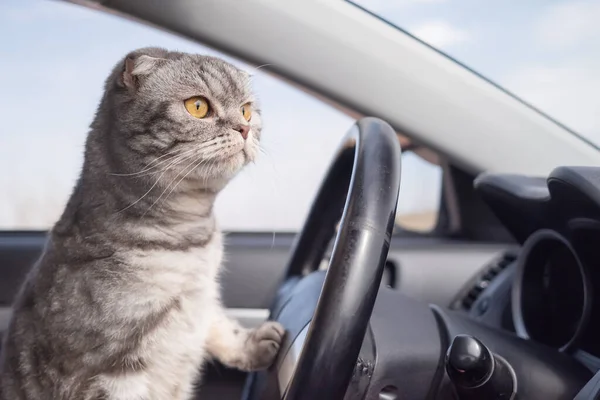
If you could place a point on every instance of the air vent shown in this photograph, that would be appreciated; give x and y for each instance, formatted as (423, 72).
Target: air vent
(485, 278)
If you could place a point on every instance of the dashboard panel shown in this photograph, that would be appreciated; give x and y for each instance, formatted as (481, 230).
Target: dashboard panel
(552, 290)
(551, 301)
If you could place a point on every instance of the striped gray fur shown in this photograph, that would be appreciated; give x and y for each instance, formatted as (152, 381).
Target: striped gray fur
(124, 302)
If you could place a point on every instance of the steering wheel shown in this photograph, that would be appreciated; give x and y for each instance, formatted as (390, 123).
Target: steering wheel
(320, 352)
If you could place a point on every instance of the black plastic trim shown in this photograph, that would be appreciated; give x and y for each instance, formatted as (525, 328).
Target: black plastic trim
(539, 238)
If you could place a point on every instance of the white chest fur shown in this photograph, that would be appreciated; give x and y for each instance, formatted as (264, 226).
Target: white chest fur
(182, 284)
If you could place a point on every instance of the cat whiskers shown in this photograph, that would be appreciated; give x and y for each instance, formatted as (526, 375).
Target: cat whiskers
(179, 160)
(259, 67)
(274, 178)
(194, 163)
(210, 163)
(148, 166)
(262, 150)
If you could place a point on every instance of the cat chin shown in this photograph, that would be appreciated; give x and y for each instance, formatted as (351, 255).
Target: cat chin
(221, 172)
(233, 164)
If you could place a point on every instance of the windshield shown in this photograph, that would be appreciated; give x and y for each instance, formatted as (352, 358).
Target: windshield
(545, 52)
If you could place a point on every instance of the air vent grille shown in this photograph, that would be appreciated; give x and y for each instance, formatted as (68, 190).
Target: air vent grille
(485, 278)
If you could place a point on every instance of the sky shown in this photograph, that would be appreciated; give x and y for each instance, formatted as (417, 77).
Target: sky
(54, 58)
(547, 52)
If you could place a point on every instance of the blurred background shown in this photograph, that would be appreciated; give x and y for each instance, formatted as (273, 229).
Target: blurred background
(55, 57)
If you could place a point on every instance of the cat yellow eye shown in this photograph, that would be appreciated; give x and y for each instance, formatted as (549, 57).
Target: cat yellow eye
(247, 111)
(197, 106)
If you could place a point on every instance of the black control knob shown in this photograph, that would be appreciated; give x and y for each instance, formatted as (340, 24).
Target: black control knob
(468, 362)
(477, 373)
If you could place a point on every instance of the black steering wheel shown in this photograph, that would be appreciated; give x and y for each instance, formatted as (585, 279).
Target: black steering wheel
(320, 352)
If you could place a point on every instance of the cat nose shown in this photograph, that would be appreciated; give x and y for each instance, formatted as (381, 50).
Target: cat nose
(243, 129)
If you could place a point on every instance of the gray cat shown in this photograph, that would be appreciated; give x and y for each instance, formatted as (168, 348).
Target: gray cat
(124, 303)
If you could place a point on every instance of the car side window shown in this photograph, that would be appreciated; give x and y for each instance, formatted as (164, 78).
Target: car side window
(420, 194)
(52, 80)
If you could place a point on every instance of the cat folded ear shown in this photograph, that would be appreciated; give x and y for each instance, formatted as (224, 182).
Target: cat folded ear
(138, 66)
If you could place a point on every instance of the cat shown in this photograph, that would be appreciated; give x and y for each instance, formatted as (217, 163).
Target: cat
(124, 302)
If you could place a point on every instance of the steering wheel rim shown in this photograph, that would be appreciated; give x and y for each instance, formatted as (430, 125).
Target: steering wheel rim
(367, 168)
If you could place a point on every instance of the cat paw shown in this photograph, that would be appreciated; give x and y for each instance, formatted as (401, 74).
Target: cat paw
(263, 345)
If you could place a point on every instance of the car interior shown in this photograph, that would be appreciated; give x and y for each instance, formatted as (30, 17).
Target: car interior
(498, 301)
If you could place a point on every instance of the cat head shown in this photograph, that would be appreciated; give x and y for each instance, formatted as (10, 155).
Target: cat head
(185, 118)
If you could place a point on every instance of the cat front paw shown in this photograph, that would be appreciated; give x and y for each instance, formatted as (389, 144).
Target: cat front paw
(263, 344)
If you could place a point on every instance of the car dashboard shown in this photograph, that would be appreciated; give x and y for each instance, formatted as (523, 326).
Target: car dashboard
(548, 290)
